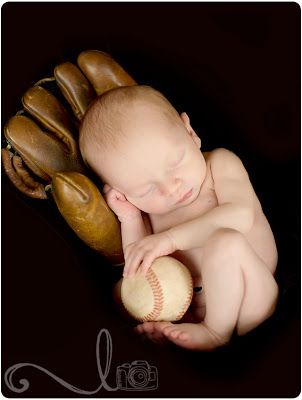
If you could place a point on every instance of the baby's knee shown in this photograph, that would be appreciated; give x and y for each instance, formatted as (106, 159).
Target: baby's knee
(224, 242)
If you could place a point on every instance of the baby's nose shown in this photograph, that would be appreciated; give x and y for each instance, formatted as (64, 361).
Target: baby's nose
(172, 188)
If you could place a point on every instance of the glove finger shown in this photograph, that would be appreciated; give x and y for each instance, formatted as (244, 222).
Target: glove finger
(103, 71)
(47, 109)
(20, 177)
(40, 151)
(75, 87)
(86, 212)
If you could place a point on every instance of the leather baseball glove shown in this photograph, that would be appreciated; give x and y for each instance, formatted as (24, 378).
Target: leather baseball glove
(42, 148)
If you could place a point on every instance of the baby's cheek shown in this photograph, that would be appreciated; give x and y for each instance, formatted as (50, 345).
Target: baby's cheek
(154, 206)
(138, 203)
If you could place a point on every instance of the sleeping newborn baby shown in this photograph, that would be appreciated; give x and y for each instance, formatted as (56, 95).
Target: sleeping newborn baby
(173, 199)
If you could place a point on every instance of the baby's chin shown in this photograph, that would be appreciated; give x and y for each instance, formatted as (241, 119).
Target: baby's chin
(171, 208)
(156, 211)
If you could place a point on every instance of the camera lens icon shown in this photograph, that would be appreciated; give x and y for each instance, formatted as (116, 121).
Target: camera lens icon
(138, 375)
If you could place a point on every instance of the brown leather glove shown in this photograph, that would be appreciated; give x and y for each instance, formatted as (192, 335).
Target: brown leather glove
(45, 148)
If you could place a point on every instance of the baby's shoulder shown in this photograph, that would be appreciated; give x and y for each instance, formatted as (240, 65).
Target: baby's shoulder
(219, 153)
(224, 161)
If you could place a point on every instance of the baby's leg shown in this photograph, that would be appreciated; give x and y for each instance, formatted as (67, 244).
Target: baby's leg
(197, 310)
(230, 251)
(240, 293)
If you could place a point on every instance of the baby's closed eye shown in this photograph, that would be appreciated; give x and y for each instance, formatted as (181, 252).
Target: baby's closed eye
(146, 191)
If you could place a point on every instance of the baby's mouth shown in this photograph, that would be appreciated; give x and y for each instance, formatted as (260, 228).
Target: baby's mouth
(185, 197)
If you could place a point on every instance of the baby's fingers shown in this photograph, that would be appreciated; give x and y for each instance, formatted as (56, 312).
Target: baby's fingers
(147, 262)
(113, 194)
(132, 262)
(106, 188)
(129, 271)
(138, 261)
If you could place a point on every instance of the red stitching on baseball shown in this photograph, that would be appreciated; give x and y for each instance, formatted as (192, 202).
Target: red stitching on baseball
(186, 304)
(158, 296)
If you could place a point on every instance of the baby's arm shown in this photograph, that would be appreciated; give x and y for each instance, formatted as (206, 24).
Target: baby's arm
(236, 202)
(134, 225)
(235, 210)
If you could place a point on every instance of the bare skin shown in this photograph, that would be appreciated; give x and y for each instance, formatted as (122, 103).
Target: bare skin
(201, 208)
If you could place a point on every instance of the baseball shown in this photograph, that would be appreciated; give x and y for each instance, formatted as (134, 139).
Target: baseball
(163, 294)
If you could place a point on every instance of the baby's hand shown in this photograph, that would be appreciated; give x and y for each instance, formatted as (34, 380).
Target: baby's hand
(141, 254)
(119, 204)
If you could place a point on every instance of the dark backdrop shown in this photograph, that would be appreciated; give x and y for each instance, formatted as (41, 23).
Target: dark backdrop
(235, 69)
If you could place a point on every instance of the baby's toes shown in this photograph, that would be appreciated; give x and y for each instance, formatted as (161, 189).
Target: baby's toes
(184, 336)
(139, 329)
(162, 325)
(173, 333)
(176, 335)
(158, 338)
(146, 327)
(167, 329)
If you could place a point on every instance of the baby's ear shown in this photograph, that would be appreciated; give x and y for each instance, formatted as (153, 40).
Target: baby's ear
(186, 120)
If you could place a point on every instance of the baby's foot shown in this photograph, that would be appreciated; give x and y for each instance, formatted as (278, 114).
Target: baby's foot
(165, 332)
(192, 336)
(186, 335)
(197, 310)
(153, 331)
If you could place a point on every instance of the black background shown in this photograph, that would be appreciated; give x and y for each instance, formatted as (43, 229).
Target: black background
(235, 69)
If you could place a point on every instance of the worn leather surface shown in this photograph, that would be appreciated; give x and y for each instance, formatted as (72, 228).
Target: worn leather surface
(75, 87)
(87, 213)
(20, 177)
(103, 72)
(44, 147)
(43, 152)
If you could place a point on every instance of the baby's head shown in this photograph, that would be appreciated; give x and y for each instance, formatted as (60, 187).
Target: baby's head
(135, 141)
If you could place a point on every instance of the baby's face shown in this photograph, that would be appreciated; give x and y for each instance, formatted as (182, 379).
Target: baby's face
(159, 169)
